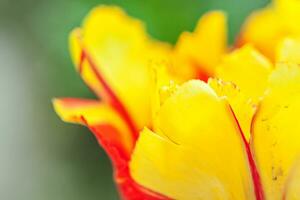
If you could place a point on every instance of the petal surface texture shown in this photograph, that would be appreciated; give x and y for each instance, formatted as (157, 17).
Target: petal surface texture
(197, 150)
(246, 68)
(292, 186)
(289, 51)
(276, 128)
(241, 105)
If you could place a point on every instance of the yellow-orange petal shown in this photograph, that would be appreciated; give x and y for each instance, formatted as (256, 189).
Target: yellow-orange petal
(203, 48)
(246, 68)
(197, 151)
(93, 113)
(276, 128)
(117, 49)
(264, 29)
(288, 50)
(242, 106)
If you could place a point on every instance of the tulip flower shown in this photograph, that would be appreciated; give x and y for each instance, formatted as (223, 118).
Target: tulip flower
(113, 54)
(199, 150)
(230, 133)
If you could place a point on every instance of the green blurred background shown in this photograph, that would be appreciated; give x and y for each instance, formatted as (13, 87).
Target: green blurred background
(42, 158)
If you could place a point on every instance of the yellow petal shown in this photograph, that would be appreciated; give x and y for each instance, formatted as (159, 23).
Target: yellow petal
(292, 186)
(246, 68)
(276, 128)
(267, 27)
(118, 50)
(264, 29)
(162, 80)
(242, 106)
(86, 67)
(289, 50)
(288, 10)
(197, 151)
(204, 47)
(93, 113)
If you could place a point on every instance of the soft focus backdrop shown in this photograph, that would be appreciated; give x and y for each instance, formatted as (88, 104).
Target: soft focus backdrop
(42, 158)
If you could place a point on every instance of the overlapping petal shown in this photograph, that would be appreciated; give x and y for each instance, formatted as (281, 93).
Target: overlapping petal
(181, 155)
(189, 156)
(242, 106)
(113, 134)
(113, 50)
(276, 128)
(196, 144)
(114, 55)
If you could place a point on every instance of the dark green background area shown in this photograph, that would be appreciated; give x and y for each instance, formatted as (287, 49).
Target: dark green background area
(42, 158)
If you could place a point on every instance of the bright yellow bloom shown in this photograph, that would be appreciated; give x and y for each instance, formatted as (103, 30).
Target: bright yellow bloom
(117, 48)
(195, 148)
(199, 151)
(115, 57)
(231, 136)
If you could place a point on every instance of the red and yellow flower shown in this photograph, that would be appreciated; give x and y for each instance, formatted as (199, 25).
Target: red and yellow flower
(231, 136)
(113, 54)
(200, 151)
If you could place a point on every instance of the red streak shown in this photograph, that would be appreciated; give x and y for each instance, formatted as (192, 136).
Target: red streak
(114, 100)
(258, 189)
(201, 75)
(107, 137)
